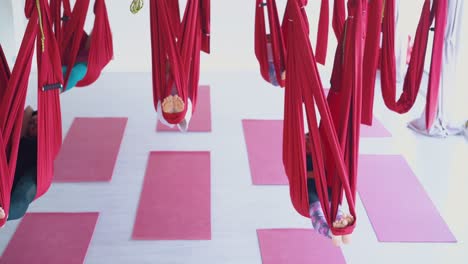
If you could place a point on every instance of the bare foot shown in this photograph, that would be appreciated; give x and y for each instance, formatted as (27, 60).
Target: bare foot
(178, 104)
(347, 238)
(2, 213)
(342, 223)
(168, 104)
(336, 240)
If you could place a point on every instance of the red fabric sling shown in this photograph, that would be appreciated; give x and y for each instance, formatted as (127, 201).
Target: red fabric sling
(13, 94)
(72, 38)
(338, 18)
(176, 58)
(413, 77)
(371, 58)
(322, 33)
(335, 144)
(205, 9)
(277, 42)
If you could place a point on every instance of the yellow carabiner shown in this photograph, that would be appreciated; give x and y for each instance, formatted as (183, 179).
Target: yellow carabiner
(136, 6)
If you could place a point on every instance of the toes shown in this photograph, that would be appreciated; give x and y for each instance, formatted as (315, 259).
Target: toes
(344, 222)
(340, 223)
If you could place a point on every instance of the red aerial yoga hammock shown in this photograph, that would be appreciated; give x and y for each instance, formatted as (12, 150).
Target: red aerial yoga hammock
(13, 94)
(277, 42)
(415, 71)
(177, 48)
(72, 38)
(371, 58)
(277, 37)
(335, 144)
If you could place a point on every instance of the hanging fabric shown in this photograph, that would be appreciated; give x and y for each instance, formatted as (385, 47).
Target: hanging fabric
(270, 48)
(205, 9)
(322, 33)
(371, 58)
(335, 143)
(13, 88)
(274, 42)
(413, 77)
(72, 39)
(338, 18)
(176, 53)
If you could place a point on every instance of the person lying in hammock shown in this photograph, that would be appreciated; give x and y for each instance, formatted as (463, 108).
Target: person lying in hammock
(24, 187)
(78, 72)
(315, 209)
(271, 64)
(173, 104)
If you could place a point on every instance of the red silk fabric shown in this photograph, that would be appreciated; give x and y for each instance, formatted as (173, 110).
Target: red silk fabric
(276, 35)
(176, 52)
(72, 38)
(335, 144)
(413, 77)
(13, 89)
(371, 58)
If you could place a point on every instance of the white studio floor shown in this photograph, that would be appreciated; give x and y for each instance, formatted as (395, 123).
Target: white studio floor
(238, 208)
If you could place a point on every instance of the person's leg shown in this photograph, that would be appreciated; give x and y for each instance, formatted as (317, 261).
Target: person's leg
(272, 73)
(316, 212)
(23, 194)
(77, 74)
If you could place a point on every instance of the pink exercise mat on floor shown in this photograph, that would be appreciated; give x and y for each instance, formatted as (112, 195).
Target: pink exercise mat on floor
(52, 238)
(298, 246)
(201, 119)
(264, 141)
(396, 203)
(377, 130)
(89, 151)
(175, 203)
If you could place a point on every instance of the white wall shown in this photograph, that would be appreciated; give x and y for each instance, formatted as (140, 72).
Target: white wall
(232, 33)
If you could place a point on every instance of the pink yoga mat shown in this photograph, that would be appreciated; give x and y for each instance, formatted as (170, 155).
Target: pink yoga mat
(90, 149)
(264, 140)
(52, 238)
(396, 203)
(377, 130)
(201, 119)
(175, 202)
(280, 246)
